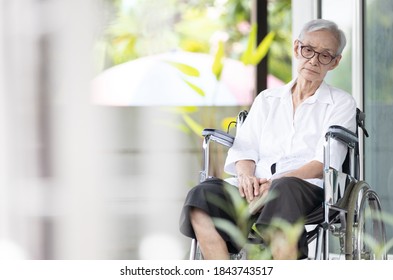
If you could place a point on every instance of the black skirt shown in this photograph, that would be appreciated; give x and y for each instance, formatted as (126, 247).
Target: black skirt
(294, 200)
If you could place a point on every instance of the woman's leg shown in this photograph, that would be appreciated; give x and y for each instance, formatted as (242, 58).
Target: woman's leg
(294, 200)
(203, 202)
(212, 245)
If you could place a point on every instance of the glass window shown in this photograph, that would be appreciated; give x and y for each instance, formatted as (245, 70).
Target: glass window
(378, 99)
(340, 11)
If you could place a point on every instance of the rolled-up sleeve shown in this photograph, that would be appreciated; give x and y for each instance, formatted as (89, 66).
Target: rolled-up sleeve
(343, 114)
(239, 151)
(246, 144)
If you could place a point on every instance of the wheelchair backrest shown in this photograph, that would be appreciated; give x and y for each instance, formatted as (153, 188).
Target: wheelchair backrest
(360, 123)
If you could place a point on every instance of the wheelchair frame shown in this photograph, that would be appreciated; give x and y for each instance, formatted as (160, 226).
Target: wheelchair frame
(346, 199)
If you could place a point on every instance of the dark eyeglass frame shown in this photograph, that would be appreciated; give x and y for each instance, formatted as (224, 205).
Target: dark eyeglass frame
(302, 46)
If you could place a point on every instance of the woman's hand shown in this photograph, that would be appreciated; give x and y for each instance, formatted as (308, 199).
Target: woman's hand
(256, 204)
(265, 186)
(251, 186)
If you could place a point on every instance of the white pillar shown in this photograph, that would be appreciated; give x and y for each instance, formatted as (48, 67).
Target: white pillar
(302, 12)
(17, 124)
(46, 64)
(81, 227)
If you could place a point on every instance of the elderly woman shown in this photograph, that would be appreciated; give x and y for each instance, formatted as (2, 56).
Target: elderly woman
(279, 148)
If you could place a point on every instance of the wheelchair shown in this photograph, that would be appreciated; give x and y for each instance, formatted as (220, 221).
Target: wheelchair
(351, 210)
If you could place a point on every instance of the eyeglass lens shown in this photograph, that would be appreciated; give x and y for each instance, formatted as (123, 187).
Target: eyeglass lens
(308, 52)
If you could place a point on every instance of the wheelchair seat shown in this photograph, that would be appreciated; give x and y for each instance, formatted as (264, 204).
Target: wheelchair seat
(351, 210)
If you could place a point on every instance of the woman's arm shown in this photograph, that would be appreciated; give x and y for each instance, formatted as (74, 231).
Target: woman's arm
(313, 169)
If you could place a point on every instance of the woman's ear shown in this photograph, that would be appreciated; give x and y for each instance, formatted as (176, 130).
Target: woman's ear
(296, 46)
(336, 62)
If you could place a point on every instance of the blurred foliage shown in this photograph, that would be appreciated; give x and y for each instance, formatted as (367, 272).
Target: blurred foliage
(223, 28)
(280, 53)
(252, 55)
(279, 234)
(137, 28)
(379, 247)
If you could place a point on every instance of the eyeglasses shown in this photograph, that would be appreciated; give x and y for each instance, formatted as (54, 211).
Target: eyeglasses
(323, 57)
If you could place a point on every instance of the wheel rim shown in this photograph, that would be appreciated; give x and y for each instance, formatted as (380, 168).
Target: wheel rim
(370, 234)
(364, 224)
(353, 206)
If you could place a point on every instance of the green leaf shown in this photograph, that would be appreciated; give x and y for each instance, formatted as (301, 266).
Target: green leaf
(292, 231)
(185, 129)
(253, 55)
(232, 230)
(218, 64)
(240, 204)
(388, 245)
(221, 203)
(377, 248)
(386, 217)
(195, 88)
(246, 57)
(193, 125)
(184, 68)
(182, 109)
(262, 48)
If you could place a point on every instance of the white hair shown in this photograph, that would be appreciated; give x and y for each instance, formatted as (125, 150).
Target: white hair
(323, 24)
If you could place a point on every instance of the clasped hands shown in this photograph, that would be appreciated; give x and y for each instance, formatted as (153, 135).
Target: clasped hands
(251, 187)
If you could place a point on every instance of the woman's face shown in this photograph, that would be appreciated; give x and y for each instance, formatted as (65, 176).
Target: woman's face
(311, 69)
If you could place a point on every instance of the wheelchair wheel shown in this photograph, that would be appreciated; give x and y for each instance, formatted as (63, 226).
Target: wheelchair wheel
(365, 236)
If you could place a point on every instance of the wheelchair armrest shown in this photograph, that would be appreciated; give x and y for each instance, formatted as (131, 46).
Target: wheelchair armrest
(343, 135)
(218, 136)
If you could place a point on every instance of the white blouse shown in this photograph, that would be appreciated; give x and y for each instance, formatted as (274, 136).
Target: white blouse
(273, 134)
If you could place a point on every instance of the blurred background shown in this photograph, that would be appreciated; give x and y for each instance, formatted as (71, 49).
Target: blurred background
(102, 103)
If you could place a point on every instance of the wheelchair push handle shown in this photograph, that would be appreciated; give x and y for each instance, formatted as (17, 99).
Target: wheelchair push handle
(360, 119)
(343, 135)
(218, 136)
(222, 137)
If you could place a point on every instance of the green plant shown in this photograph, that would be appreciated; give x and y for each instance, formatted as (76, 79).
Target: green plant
(278, 236)
(379, 248)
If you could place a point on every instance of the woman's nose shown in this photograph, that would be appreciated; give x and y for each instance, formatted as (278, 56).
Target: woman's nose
(314, 60)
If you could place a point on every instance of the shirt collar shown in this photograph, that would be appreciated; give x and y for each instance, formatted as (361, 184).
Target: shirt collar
(285, 91)
(322, 95)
